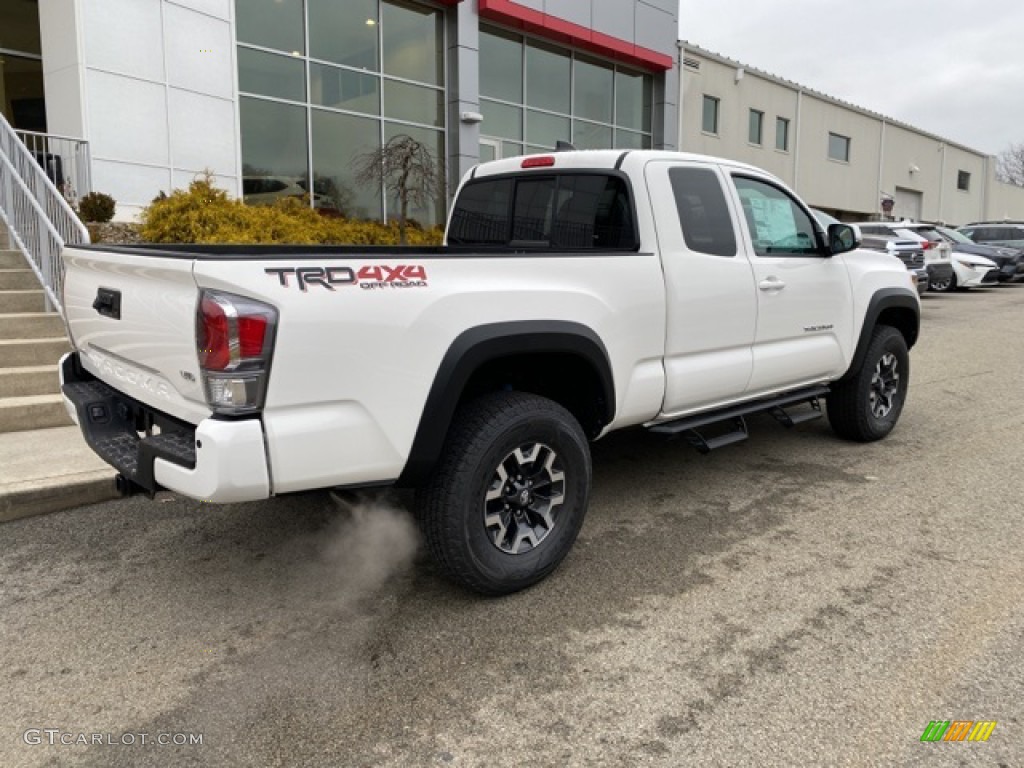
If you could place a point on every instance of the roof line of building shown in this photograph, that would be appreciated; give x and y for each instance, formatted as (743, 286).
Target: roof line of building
(685, 45)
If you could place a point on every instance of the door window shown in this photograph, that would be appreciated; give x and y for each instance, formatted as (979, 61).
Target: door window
(778, 225)
(703, 212)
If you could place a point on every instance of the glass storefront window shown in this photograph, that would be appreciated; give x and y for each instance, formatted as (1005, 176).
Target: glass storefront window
(344, 89)
(501, 66)
(19, 26)
(21, 92)
(413, 42)
(548, 77)
(367, 60)
(601, 104)
(633, 100)
(345, 33)
(434, 140)
(271, 23)
(591, 135)
(270, 74)
(543, 129)
(501, 120)
(593, 97)
(334, 181)
(413, 103)
(275, 156)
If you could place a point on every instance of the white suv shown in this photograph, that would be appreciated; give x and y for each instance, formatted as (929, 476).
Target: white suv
(937, 251)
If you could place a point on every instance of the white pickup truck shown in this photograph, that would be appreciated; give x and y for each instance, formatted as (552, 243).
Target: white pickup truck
(578, 293)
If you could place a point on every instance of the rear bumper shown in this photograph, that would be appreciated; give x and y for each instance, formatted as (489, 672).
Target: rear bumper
(217, 461)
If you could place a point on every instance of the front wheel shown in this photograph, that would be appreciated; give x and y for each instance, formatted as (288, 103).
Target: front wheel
(507, 498)
(944, 284)
(867, 406)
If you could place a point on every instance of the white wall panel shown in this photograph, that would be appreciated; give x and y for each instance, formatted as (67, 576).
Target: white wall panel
(198, 52)
(127, 119)
(202, 132)
(124, 36)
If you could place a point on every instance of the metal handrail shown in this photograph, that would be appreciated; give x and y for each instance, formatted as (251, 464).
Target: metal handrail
(39, 219)
(64, 159)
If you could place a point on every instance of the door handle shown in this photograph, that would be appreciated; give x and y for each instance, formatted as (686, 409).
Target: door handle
(771, 284)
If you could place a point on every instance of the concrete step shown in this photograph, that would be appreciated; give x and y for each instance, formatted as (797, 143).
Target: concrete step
(18, 280)
(23, 301)
(48, 470)
(29, 380)
(10, 259)
(34, 412)
(15, 353)
(31, 325)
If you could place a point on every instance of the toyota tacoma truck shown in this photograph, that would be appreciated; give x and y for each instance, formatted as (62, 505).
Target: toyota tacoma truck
(577, 293)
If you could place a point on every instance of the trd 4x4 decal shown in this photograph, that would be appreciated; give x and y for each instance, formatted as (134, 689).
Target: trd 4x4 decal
(368, 277)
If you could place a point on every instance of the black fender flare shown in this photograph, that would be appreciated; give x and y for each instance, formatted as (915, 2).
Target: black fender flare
(882, 300)
(480, 345)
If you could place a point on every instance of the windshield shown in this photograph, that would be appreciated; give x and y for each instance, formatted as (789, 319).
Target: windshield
(954, 236)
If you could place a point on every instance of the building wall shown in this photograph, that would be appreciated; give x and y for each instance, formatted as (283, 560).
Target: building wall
(887, 158)
(150, 84)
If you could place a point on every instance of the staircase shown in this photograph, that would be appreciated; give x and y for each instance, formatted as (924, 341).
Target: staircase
(45, 465)
(31, 342)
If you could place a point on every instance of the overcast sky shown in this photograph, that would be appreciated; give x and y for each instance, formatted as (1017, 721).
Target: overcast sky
(949, 67)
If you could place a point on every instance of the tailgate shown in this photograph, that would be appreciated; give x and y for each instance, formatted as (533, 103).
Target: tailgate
(132, 318)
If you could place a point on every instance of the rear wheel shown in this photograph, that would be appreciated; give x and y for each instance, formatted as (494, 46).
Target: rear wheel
(507, 499)
(867, 406)
(943, 284)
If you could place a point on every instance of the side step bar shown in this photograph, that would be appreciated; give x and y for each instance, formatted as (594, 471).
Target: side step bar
(689, 426)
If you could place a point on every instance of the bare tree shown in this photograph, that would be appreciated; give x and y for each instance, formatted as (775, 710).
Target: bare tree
(404, 167)
(1010, 165)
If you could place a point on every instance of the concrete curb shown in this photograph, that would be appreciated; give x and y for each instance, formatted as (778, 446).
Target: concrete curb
(40, 497)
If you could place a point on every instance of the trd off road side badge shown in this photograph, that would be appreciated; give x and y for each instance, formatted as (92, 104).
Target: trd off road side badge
(378, 276)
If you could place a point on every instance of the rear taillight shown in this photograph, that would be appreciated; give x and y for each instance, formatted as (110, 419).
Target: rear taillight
(927, 244)
(234, 342)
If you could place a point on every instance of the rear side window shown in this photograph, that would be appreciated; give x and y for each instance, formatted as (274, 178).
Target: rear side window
(703, 213)
(560, 212)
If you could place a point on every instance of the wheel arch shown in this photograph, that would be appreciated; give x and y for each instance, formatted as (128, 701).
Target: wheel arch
(496, 356)
(894, 307)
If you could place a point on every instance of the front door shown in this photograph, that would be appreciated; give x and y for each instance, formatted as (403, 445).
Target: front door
(804, 297)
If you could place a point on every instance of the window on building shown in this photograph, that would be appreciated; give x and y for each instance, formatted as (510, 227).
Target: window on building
(534, 94)
(323, 83)
(963, 181)
(782, 134)
(839, 147)
(755, 127)
(709, 117)
(21, 66)
(703, 212)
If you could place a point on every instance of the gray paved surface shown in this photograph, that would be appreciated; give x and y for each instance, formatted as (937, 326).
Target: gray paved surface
(793, 600)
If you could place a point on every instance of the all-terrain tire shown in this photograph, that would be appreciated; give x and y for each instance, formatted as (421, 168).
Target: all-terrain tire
(477, 525)
(867, 406)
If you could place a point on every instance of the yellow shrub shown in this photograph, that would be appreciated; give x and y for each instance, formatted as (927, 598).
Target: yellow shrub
(205, 214)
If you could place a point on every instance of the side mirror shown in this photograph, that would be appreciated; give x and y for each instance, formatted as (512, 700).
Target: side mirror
(843, 238)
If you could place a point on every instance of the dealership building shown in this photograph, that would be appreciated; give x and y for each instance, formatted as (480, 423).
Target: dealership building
(281, 97)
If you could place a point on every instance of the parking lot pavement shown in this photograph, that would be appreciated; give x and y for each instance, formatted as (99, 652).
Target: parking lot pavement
(793, 600)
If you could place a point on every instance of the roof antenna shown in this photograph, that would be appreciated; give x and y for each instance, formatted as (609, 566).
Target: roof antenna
(564, 146)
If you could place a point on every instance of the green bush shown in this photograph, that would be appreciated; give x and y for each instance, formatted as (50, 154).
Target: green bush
(96, 207)
(206, 214)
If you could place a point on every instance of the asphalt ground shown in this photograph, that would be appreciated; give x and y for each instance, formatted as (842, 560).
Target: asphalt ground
(792, 600)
